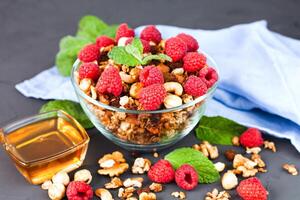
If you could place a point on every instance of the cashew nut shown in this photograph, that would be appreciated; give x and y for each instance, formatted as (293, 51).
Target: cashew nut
(178, 71)
(46, 185)
(103, 194)
(61, 177)
(135, 89)
(219, 166)
(56, 191)
(83, 175)
(85, 84)
(172, 101)
(126, 77)
(229, 180)
(174, 87)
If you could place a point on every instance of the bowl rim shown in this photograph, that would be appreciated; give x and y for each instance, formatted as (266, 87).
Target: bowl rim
(79, 92)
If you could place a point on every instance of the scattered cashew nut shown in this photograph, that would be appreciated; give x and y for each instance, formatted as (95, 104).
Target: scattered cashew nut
(83, 175)
(46, 185)
(219, 166)
(174, 87)
(56, 191)
(61, 177)
(229, 180)
(103, 194)
(172, 101)
(126, 77)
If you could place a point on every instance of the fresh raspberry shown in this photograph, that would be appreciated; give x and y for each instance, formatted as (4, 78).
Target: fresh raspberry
(150, 33)
(193, 61)
(252, 189)
(89, 70)
(209, 76)
(124, 31)
(191, 42)
(79, 190)
(110, 82)
(152, 96)
(195, 86)
(251, 138)
(186, 177)
(146, 45)
(89, 53)
(161, 172)
(175, 48)
(104, 41)
(151, 75)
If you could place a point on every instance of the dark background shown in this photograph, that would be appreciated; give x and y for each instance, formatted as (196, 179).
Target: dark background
(29, 34)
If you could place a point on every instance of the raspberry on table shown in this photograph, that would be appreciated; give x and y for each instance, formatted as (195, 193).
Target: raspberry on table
(193, 61)
(161, 172)
(104, 41)
(146, 45)
(79, 190)
(186, 177)
(195, 86)
(191, 42)
(124, 31)
(89, 70)
(151, 75)
(175, 48)
(209, 76)
(252, 189)
(251, 138)
(152, 96)
(151, 33)
(89, 53)
(110, 82)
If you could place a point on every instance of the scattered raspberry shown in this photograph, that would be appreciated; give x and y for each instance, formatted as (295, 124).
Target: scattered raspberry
(190, 41)
(150, 33)
(152, 96)
(252, 189)
(110, 82)
(161, 172)
(175, 48)
(193, 61)
(146, 45)
(89, 70)
(209, 76)
(104, 41)
(151, 75)
(195, 86)
(79, 190)
(89, 53)
(251, 138)
(186, 177)
(124, 31)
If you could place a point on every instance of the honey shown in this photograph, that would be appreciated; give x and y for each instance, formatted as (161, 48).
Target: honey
(44, 147)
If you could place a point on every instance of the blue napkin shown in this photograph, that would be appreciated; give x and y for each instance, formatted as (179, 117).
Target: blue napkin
(259, 71)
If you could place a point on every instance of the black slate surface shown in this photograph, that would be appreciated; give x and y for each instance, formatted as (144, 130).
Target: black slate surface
(30, 32)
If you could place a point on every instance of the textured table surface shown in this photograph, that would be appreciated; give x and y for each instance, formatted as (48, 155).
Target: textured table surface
(30, 32)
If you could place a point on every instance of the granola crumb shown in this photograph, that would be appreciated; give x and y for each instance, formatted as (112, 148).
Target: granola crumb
(156, 187)
(291, 169)
(270, 145)
(216, 195)
(178, 194)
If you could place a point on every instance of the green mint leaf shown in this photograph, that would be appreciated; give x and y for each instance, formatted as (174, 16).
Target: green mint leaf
(121, 56)
(137, 43)
(218, 130)
(160, 56)
(72, 108)
(69, 42)
(205, 168)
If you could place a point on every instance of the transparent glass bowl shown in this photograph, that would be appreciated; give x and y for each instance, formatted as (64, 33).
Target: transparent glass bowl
(144, 130)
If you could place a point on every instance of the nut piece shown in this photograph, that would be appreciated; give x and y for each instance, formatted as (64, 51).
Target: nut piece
(93, 92)
(147, 196)
(236, 141)
(155, 155)
(219, 166)
(126, 193)
(229, 180)
(61, 177)
(207, 149)
(83, 175)
(46, 185)
(179, 195)
(85, 84)
(216, 195)
(135, 89)
(290, 169)
(103, 194)
(114, 183)
(173, 87)
(178, 71)
(141, 165)
(244, 166)
(133, 182)
(187, 98)
(254, 150)
(172, 101)
(257, 159)
(56, 191)
(156, 187)
(230, 154)
(112, 164)
(270, 145)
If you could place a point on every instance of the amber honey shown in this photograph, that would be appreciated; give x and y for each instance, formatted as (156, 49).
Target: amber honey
(43, 148)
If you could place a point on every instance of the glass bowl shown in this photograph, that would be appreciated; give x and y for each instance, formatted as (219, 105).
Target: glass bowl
(141, 130)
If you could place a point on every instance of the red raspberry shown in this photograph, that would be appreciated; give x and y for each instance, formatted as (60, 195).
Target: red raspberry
(150, 33)
(251, 138)
(124, 31)
(151, 75)
(252, 189)
(89, 70)
(79, 190)
(191, 42)
(152, 96)
(146, 45)
(195, 86)
(104, 41)
(175, 48)
(161, 172)
(193, 61)
(110, 82)
(209, 76)
(89, 53)
(186, 177)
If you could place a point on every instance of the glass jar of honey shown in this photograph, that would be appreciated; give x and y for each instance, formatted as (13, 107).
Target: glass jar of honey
(44, 144)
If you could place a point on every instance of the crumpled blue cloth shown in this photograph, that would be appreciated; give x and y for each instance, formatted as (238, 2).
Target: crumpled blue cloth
(259, 77)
